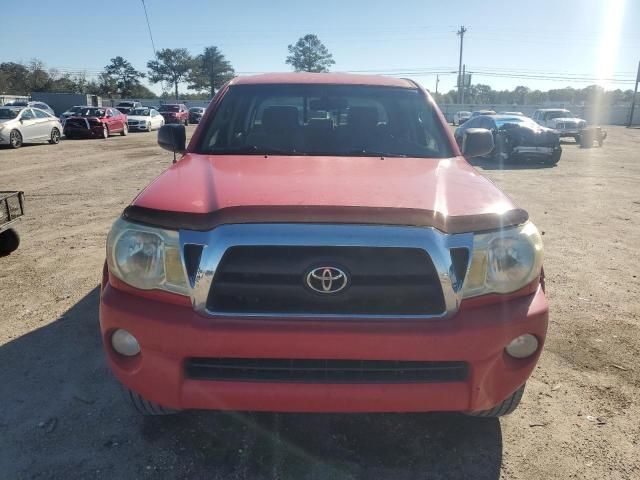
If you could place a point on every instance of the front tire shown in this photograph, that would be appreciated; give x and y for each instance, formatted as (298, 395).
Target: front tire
(54, 137)
(505, 407)
(15, 139)
(555, 158)
(145, 407)
(125, 130)
(105, 132)
(9, 241)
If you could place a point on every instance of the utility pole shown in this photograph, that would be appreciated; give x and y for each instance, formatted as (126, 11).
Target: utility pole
(464, 69)
(460, 32)
(437, 82)
(633, 101)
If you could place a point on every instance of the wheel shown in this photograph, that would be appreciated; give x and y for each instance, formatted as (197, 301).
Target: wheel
(105, 132)
(15, 139)
(577, 139)
(186, 122)
(125, 130)
(55, 136)
(9, 241)
(145, 407)
(503, 408)
(149, 127)
(555, 158)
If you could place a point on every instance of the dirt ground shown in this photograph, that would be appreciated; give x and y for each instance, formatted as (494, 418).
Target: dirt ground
(61, 414)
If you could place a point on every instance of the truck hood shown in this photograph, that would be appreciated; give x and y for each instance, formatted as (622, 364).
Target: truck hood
(203, 184)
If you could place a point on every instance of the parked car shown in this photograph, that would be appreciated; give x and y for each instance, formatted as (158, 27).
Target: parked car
(39, 105)
(11, 209)
(71, 112)
(126, 107)
(335, 255)
(144, 118)
(516, 138)
(460, 117)
(482, 112)
(98, 122)
(175, 113)
(195, 114)
(20, 125)
(561, 120)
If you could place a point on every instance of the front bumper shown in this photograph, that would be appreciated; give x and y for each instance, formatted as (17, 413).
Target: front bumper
(169, 334)
(568, 132)
(536, 152)
(138, 126)
(94, 131)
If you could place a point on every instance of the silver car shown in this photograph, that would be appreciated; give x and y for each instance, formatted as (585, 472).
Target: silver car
(19, 125)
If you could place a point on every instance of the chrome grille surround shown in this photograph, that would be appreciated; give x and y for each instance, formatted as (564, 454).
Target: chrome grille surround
(216, 242)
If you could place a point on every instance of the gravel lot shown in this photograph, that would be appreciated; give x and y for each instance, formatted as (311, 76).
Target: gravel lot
(62, 416)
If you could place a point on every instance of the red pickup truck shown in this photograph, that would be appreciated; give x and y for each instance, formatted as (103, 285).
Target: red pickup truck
(323, 246)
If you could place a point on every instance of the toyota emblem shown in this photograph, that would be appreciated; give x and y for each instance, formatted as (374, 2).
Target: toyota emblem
(327, 280)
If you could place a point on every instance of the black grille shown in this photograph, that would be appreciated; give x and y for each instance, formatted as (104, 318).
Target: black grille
(271, 279)
(76, 123)
(324, 371)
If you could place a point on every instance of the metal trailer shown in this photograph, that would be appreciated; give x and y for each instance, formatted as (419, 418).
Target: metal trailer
(11, 209)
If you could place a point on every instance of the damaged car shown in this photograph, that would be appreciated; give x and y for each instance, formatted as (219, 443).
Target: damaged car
(97, 122)
(516, 138)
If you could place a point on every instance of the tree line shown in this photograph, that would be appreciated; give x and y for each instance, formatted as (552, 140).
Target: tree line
(206, 72)
(480, 94)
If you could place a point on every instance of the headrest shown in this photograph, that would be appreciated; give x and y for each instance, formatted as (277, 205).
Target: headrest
(363, 118)
(278, 119)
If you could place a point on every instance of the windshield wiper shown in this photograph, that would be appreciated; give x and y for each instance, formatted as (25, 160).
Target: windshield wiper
(374, 153)
(255, 150)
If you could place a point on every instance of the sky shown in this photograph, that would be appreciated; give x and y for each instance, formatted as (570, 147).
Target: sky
(541, 44)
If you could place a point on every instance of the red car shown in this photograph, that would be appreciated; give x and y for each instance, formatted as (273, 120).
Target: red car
(96, 122)
(323, 246)
(175, 113)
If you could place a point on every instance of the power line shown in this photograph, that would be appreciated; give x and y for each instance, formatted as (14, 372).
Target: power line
(153, 45)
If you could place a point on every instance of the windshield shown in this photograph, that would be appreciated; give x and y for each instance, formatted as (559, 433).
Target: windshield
(125, 104)
(559, 114)
(9, 113)
(73, 110)
(519, 120)
(140, 111)
(325, 120)
(196, 110)
(169, 108)
(91, 112)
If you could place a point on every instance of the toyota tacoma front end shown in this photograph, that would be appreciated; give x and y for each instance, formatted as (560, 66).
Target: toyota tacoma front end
(323, 246)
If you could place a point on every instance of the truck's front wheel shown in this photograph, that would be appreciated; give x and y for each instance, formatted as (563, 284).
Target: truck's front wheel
(503, 408)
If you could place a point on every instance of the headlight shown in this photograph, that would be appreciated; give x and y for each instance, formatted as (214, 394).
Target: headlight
(145, 257)
(504, 261)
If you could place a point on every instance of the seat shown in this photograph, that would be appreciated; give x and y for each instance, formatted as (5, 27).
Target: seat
(362, 123)
(280, 129)
(319, 135)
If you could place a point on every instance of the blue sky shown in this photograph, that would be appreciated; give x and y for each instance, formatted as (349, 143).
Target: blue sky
(508, 43)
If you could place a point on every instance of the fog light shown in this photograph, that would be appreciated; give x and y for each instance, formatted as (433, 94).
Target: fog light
(523, 346)
(124, 343)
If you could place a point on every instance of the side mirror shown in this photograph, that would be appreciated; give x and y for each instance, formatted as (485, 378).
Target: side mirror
(477, 142)
(173, 137)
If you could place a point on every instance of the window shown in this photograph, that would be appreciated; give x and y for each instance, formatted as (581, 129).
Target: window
(27, 114)
(41, 114)
(42, 106)
(338, 120)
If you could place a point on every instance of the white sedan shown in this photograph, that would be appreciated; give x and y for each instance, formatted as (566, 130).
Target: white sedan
(145, 119)
(20, 125)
